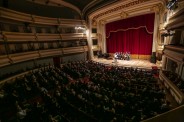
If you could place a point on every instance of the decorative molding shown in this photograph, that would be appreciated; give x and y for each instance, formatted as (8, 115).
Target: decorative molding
(181, 4)
(123, 15)
(102, 22)
(94, 23)
(126, 9)
(127, 5)
(156, 9)
(161, 7)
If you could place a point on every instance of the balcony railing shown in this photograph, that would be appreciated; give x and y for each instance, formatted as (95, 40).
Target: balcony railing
(14, 15)
(22, 17)
(174, 90)
(48, 37)
(25, 56)
(174, 52)
(176, 21)
(72, 36)
(16, 36)
(4, 60)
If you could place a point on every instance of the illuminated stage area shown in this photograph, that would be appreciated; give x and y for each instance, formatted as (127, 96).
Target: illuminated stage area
(136, 63)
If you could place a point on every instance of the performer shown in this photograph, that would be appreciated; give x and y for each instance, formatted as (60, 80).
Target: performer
(121, 56)
(99, 54)
(116, 55)
(128, 55)
(125, 56)
(115, 58)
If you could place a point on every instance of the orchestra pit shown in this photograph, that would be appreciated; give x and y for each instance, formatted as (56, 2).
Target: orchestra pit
(91, 61)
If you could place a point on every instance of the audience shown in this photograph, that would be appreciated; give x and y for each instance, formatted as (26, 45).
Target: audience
(83, 91)
(173, 77)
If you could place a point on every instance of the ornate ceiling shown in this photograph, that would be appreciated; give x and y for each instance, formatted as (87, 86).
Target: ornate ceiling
(81, 9)
(125, 9)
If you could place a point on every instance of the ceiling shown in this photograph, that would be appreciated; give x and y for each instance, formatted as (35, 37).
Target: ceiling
(88, 6)
(69, 9)
(72, 9)
(81, 4)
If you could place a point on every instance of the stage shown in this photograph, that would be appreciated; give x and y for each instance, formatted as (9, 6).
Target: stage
(136, 63)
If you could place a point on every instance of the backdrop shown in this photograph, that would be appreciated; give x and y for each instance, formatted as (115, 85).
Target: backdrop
(134, 35)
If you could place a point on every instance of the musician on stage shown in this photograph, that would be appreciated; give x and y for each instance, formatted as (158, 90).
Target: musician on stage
(116, 55)
(127, 56)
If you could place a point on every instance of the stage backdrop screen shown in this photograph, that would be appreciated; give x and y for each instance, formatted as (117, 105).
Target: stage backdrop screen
(134, 35)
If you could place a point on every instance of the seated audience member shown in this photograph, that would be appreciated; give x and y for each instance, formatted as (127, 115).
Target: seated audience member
(99, 54)
(20, 113)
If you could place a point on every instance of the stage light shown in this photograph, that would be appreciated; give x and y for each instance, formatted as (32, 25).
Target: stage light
(172, 4)
(79, 28)
(169, 33)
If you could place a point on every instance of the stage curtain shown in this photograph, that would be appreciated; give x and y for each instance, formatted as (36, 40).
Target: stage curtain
(134, 35)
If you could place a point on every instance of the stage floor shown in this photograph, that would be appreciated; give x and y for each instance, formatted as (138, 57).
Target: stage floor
(136, 63)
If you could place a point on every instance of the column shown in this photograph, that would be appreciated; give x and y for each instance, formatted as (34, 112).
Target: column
(104, 39)
(101, 35)
(89, 39)
(156, 28)
(164, 61)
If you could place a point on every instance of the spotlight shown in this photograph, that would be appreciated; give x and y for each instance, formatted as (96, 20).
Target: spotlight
(172, 4)
(168, 34)
(79, 28)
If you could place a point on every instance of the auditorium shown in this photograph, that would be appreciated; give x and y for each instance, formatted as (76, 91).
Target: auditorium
(91, 61)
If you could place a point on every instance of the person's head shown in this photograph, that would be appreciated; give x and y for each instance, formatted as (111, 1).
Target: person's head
(18, 108)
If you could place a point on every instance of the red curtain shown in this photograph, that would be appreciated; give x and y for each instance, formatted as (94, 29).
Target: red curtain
(134, 35)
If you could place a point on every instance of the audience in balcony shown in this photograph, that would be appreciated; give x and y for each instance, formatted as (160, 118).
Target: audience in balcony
(173, 77)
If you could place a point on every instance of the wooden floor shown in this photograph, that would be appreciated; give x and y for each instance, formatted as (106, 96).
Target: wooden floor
(145, 64)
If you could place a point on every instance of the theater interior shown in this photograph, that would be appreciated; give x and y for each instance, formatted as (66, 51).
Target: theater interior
(92, 60)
